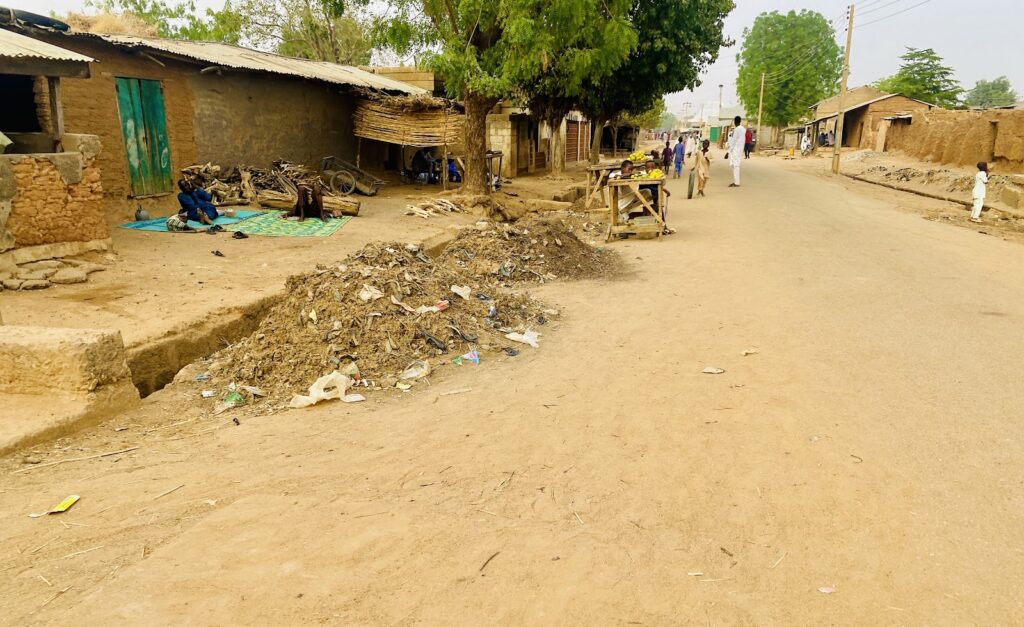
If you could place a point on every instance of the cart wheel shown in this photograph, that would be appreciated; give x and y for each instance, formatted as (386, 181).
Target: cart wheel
(343, 182)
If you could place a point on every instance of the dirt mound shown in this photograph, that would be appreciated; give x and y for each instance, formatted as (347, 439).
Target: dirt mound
(382, 308)
(532, 249)
(945, 179)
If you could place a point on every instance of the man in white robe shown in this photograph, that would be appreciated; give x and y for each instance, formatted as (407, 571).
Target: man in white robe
(735, 146)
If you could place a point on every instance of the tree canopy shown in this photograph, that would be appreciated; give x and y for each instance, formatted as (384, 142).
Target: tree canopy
(310, 29)
(486, 50)
(801, 61)
(678, 40)
(922, 76)
(181, 20)
(994, 93)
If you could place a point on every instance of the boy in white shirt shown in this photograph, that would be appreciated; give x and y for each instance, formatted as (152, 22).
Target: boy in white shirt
(980, 180)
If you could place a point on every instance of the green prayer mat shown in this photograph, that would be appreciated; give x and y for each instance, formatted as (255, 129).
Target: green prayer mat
(271, 224)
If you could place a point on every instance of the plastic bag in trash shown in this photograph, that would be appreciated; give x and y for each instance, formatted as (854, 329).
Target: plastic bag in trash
(416, 370)
(325, 388)
(529, 337)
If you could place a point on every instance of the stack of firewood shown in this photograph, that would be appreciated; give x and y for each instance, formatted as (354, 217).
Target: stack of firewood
(273, 188)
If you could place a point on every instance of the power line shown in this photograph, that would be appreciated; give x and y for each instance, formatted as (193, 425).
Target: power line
(882, 19)
(879, 7)
(865, 5)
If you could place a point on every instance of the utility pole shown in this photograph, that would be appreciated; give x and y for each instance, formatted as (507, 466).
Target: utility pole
(760, 110)
(840, 114)
(720, 87)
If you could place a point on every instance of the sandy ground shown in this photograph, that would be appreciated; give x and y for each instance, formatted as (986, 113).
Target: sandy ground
(869, 447)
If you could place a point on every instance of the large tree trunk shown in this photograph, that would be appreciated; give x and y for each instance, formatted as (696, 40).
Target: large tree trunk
(615, 141)
(556, 146)
(477, 107)
(597, 127)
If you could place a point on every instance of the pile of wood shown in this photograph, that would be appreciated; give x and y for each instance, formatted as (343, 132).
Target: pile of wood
(272, 188)
(432, 208)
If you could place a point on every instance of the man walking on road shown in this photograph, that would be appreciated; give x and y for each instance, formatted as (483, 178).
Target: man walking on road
(736, 142)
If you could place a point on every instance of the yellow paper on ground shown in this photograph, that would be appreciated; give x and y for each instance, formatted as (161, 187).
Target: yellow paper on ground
(64, 505)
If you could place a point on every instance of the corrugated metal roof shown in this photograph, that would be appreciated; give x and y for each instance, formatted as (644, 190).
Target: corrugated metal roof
(237, 57)
(14, 45)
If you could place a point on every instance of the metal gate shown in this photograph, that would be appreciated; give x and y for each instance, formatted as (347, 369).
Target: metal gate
(140, 103)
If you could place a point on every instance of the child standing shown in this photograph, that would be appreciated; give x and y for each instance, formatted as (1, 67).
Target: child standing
(703, 166)
(980, 180)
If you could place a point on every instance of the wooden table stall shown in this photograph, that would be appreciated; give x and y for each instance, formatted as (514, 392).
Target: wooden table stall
(629, 190)
(597, 181)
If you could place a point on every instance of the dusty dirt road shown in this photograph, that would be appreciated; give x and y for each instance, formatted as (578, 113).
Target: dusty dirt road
(872, 446)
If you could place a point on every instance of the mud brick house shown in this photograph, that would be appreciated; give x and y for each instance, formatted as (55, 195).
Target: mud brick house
(51, 199)
(159, 105)
(864, 109)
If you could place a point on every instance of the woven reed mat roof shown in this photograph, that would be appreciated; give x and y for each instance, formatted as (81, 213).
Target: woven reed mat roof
(409, 121)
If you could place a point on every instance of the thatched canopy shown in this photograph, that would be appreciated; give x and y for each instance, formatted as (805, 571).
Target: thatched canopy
(421, 121)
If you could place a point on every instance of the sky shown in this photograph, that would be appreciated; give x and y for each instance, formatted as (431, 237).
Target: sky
(985, 45)
(979, 40)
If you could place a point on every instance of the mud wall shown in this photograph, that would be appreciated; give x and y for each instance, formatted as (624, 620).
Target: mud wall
(962, 138)
(51, 198)
(90, 106)
(254, 120)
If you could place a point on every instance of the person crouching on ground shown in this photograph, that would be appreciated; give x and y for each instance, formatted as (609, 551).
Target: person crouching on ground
(980, 181)
(196, 203)
(702, 166)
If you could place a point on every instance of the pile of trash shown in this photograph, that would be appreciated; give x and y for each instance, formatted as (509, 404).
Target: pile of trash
(532, 249)
(380, 317)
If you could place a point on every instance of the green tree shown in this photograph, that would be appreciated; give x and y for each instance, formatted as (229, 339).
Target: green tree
(800, 59)
(180, 21)
(655, 117)
(487, 50)
(923, 77)
(554, 92)
(994, 93)
(311, 29)
(678, 40)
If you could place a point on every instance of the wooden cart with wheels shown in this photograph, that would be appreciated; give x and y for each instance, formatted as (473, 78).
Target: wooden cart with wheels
(628, 194)
(344, 178)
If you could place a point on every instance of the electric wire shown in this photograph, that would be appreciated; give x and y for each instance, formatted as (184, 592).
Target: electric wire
(892, 15)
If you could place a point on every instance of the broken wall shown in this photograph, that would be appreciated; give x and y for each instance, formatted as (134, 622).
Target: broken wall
(963, 138)
(52, 198)
(256, 119)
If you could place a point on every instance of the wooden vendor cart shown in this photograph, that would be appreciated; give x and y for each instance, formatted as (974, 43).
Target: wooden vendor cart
(628, 192)
(597, 181)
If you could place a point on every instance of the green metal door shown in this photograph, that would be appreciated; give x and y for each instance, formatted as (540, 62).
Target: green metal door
(140, 103)
(714, 134)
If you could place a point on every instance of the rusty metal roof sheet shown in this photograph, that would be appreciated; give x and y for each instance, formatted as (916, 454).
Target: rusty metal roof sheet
(14, 45)
(237, 57)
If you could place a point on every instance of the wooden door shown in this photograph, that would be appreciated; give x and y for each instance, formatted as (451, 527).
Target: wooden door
(140, 103)
(522, 147)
